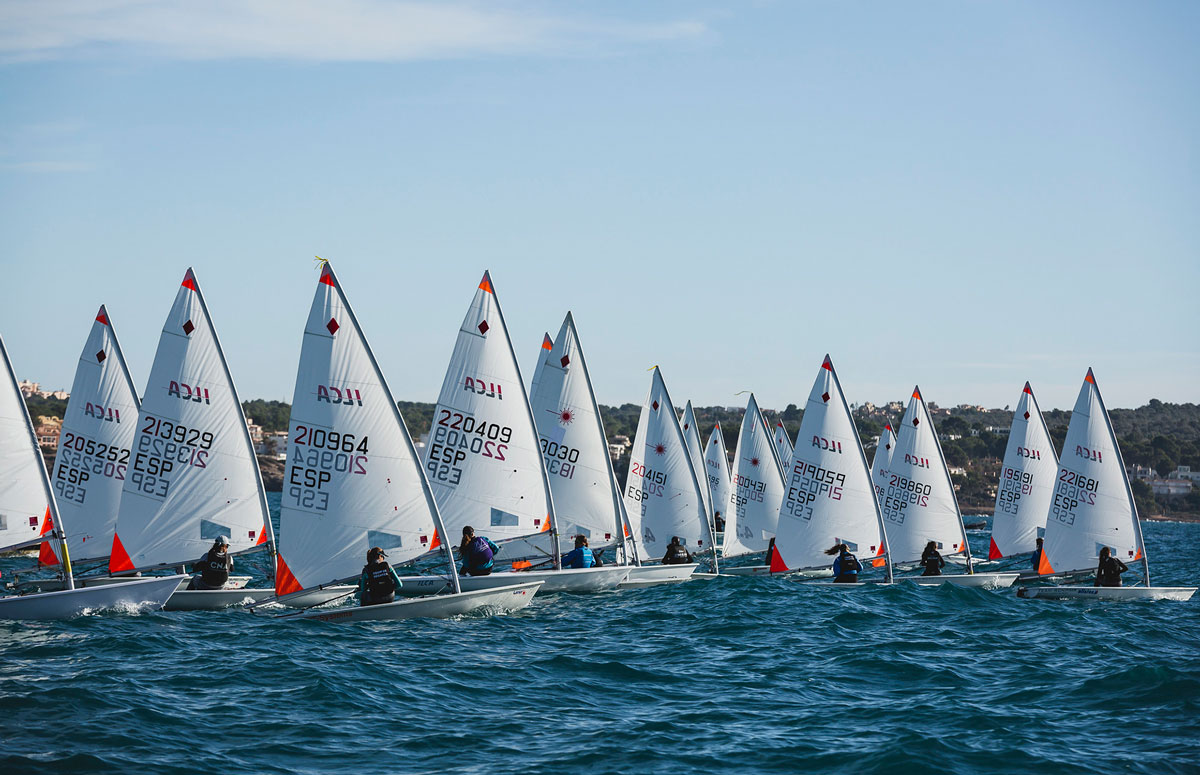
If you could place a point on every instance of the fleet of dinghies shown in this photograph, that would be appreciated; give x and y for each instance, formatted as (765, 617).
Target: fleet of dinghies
(141, 489)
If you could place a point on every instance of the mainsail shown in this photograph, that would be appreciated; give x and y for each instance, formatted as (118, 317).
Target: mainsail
(1093, 504)
(1027, 481)
(716, 465)
(353, 479)
(881, 461)
(830, 498)
(574, 447)
(918, 500)
(758, 487)
(783, 445)
(691, 434)
(484, 458)
(662, 494)
(94, 446)
(193, 475)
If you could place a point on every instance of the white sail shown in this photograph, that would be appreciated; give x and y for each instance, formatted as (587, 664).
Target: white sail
(918, 501)
(353, 478)
(1093, 505)
(881, 461)
(483, 458)
(574, 447)
(543, 356)
(716, 465)
(758, 487)
(27, 508)
(830, 498)
(691, 434)
(783, 446)
(662, 494)
(1027, 481)
(95, 443)
(193, 475)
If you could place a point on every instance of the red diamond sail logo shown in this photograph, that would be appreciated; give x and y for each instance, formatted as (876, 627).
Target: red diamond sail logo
(825, 396)
(483, 327)
(564, 361)
(188, 328)
(1027, 415)
(100, 356)
(654, 406)
(916, 422)
(332, 326)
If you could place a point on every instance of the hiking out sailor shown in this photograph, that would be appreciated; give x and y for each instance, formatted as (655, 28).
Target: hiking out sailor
(677, 553)
(581, 556)
(214, 568)
(845, 566)
(1108, 572)
(477, 553)
(1037, 554)
(379, 582)
(931, 560)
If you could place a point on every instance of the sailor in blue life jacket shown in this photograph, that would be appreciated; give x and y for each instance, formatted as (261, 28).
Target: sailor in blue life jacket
(476, 553)
(1037, 555)
(1108, 572)
(931, 560)
(379, 582)
(677, 553)
(214, 568)
(581, 556)
(845, 566)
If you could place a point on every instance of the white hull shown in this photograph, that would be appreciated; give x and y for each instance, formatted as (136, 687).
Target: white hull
(654, 575)
(135, 595)
(214, 599)
(510, 598)
(985, 580)
(1108, 593)
(747, 570)
(575, 580)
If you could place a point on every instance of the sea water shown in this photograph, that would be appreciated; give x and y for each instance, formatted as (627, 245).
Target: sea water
(743, 674)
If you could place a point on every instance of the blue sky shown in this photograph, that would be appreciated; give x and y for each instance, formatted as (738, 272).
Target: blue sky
(960, 195)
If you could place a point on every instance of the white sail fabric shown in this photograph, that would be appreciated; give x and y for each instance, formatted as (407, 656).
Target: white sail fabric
(26, 505)
(881, 461)
(193, 475)
(662, 494)
(716, 465)
(95, 445)
(1027, 481)
(830, 498)
(353, 478)
(483, 458)
(574, 447)
(1093, 505)
(543, 356)
(758, 488)
(691, 434)
(783, 446)
(918, 500)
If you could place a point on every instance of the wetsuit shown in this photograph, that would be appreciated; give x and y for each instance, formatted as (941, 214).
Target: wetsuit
(677, 554)
(1037, 557)
(378, 584)
(845, 569)
(214, 569)
(477, 556)
(933, 563)
(1108, 573)
(579, 557)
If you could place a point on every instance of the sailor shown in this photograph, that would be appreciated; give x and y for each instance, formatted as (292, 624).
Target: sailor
(1108, 572)
(477, 553)
(677, 553)
(931, 560)
(379, 582)
(845, 566)
(214, 568)
(581, 556)
(1037, 554)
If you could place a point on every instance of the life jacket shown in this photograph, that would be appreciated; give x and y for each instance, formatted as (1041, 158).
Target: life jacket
(381, 588)
(1109, 573)
(677, 554)
(849, 564)
(214, 570)
(584, 558)
(479, 553)
(932, 563)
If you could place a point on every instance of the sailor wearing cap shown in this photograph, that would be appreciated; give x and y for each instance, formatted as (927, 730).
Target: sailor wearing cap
(214, 568)
(379, 582)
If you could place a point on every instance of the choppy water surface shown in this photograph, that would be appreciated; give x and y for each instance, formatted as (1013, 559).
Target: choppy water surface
(734, 675)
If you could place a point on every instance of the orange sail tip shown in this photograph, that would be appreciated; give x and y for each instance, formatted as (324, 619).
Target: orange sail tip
(1028, 389)
(547, 342)
(879, 560)
(46, 555)
(102, 315)
(545, 525)
(118, 560)
(889, 427)
(521, 564)
(776, 561)
(1138, 556)
(917, 393)
(436, 542)
(189, 280)
(827, 364)
(486, 283)
(327, 275)
(262, 536)
(1044, 568)
(1090, 376)
(285, 582)
(994, 552)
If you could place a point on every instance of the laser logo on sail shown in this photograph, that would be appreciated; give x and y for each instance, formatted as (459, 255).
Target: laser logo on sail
(334, 395)
(186, 392)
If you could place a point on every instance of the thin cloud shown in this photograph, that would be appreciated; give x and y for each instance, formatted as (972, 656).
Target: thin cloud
(308, 30)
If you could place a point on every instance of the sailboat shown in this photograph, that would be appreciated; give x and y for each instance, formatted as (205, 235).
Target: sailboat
(920, 506)
(662, 492)
(758, 491)
(1092, 508)
(587, 500)
(354, 480)
(192, 474)
(1027, 479)
(783, 446)
(484, 458)
(29, 516)
(881, 461)
(830, 498)
(691, 434)
(716, 465)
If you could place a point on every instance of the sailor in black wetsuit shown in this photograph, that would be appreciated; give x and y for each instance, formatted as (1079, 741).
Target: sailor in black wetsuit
(1037, 555)
(214, 568)
(379, 582)
(845, 566)
(1108, 572)
(677, 553)
(931, 560)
